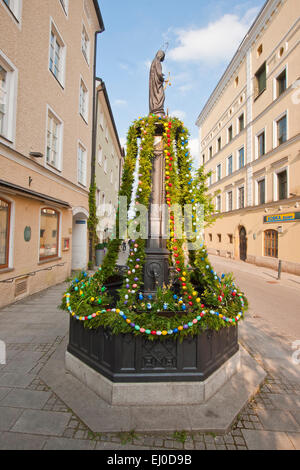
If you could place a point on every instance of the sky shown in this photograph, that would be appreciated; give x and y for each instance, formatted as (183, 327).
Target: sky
(203, 36)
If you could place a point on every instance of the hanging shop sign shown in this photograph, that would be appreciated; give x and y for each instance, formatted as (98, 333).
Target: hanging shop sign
(276, 218)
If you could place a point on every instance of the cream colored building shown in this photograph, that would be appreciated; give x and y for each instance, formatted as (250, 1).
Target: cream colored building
(46, 122)
(249, 133)
(108, 165)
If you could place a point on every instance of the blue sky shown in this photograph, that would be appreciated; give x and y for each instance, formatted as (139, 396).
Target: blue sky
(203, 36)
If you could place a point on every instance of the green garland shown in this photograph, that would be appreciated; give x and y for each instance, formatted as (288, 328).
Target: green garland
(200, 290)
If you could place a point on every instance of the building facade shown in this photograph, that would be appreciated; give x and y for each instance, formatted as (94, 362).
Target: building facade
(47, 75)
(249, 133)
(108, 165)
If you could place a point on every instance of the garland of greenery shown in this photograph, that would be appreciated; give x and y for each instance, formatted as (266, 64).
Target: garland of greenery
(201, 293)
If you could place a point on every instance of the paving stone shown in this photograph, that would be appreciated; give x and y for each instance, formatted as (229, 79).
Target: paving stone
(49, 423)
(60, 443)
(296, 414)
(8, 417)
(285, 402)
(16, 441)
(267, 440)
(200, 446)
(239, 441)
(231, 447)
(277, 420)
(14, 379)
(3, 392)
(295, 439)
(25, 399)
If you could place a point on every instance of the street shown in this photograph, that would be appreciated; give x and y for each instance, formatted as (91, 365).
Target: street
(37, 396)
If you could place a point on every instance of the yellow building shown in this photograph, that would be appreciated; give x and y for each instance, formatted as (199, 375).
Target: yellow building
(108, 165)
(47, 60)
(249, 133)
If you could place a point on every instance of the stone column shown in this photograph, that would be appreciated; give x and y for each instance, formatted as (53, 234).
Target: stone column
(156, 269)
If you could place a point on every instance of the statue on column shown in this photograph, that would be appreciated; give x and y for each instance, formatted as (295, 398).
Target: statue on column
(156, 86)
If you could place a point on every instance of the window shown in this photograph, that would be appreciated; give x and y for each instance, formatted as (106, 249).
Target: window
(210, 237)
(281, 130)
(57, 55)
(83, 101)
(98, 196)
(241, 158)
(259, 50)
(219, 144)
(49, 233)
(111, 176)
(210, 180)
(229, 165)
(230, 236)
(241, 198)
(281, 83)
(230, 134)
(203, 159)
(271, 243)
(8, 90)
(261, 80)
(219, 237)
(65, 5)
(210, 152)
(3, 99)
(218, 203)
(105, 164)
(282, 185)
(100, 155)
(81, 165)
(106, 132)
(15, 7)
(219, 175)
(261, 190)
(229, 201)
(261, 144)
(85, 44)
(54, 131)
(5, 209)
(236, 82)
(241, 122)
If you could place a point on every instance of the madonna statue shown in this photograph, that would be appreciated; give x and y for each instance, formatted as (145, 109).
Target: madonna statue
(156, 86)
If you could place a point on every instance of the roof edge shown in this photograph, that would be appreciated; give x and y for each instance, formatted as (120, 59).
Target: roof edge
(99, 16)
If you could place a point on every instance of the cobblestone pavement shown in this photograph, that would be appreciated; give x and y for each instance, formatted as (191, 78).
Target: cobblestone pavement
(33, 417)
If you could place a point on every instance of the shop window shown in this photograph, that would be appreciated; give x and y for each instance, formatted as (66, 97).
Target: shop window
(49, 233)
(271, 243)
(5, 211)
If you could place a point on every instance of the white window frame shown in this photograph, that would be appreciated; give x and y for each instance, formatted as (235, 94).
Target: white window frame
(238, 157)
(59, 166)
(258, 180)
(100, 155)
(11, 232)
(227, 165)
(218, 199)
(85, 50)
(83, 94)
(14, 9)
(106, 133)
(238, 131)
(65, 6)
(217, 175)
(231, 126)
(105, 164)
(275, 94)
(41, 260)
(227, 200)
(63, 51)
(275, 182)
(237, 196)
(82, 148)
(275, 125)
(9, 128)
(257, 135)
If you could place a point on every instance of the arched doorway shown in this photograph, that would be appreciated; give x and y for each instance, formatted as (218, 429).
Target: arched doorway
(79, 239)
(243, 243)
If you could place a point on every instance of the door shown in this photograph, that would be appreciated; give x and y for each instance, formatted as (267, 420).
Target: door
(243, 244)
(79, 242)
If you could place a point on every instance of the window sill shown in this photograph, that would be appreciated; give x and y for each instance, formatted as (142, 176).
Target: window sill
(53, 167)
(6, 270)
(84, 119)
(58, 81)
(257, 96)
(6, 139)
(49, 260)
